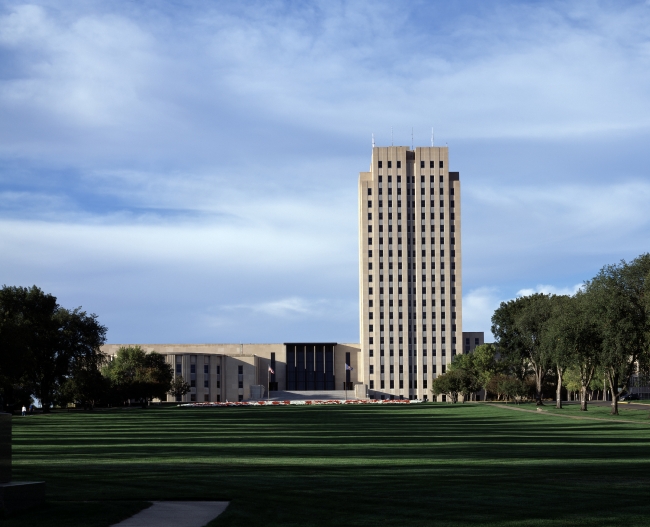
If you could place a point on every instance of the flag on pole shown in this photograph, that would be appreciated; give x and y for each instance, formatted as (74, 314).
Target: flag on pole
(348, 368)
(271, 370)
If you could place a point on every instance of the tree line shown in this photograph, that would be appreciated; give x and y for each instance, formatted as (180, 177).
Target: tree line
(596, 339)
(54, 354)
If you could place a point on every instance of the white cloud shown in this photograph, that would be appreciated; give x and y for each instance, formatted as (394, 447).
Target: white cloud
(198, 157)
(285, 307)
(478, 307)
(550, 290)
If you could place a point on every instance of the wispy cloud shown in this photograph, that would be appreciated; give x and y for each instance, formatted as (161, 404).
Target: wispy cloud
(160, 160)
(478, 307)
(550, 290)
(285, 307)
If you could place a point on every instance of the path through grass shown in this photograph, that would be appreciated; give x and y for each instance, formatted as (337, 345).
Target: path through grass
(411, 465)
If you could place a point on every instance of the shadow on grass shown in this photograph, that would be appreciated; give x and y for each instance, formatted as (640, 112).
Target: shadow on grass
(326, 466)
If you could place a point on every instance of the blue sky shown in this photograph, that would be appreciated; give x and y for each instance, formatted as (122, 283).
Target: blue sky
(188, 170)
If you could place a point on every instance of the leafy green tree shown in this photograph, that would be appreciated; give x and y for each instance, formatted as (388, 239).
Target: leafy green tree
(457, 380)
(576, 341)
(41, 343)
(73, 339)
(597, 383)
(571, 379)
(486, 365)
(86, 386)
(25, 322)
(559, 350)
(138, 375)
(512, 388)
(179, 387)
(618, 298)
(464, 367)
(519, 326)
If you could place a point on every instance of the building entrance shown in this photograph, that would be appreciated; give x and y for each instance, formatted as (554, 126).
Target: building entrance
(310, 366)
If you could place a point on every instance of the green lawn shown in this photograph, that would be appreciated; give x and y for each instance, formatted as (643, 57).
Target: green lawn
(411, 465)
(626, 413)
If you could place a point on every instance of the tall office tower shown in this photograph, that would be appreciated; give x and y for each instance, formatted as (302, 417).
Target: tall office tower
(411, 278)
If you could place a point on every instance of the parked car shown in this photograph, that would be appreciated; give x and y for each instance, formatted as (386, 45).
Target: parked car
(630, 397)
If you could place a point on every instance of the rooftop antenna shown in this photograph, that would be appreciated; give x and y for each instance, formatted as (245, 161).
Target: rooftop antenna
(373, 140)
(432, 136)
(412, 139)
(391, 136)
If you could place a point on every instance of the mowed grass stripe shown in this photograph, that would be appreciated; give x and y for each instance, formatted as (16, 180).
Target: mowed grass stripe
(409, 465)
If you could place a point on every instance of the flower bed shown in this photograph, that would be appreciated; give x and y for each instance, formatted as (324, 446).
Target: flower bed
(301, 403)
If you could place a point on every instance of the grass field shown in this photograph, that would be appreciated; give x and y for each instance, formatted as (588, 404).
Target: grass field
(411, 465)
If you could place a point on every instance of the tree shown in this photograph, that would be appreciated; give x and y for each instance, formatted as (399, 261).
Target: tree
(86, 386)
(41, 343)
(519, 326)
(179, 387)
(25, 320)
(464, 367)
(138, 375)
(71, 341)
(571, 379)
(512, 388)
(486, 365)
(618, 296)
(575, 341)
(557, 347)
(454, 382)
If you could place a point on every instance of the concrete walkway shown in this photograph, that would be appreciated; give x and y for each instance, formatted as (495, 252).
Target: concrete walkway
(176, 514)
(553, 414)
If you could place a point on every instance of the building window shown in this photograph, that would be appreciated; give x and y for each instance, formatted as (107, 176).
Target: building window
(441, 164)
(432, 164)
(399, 164)
(206, 383)
(179, 369)
(372, 369)
(206, 369)
(218, 370)
(421, 164)
(240, 384)
(193, 397)
(192, 368)
(192, 384)
(240, 370)
(379, 164)
(371, 353)
(372, 385)
(476, 341)
(240, 398)
(390, 164)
